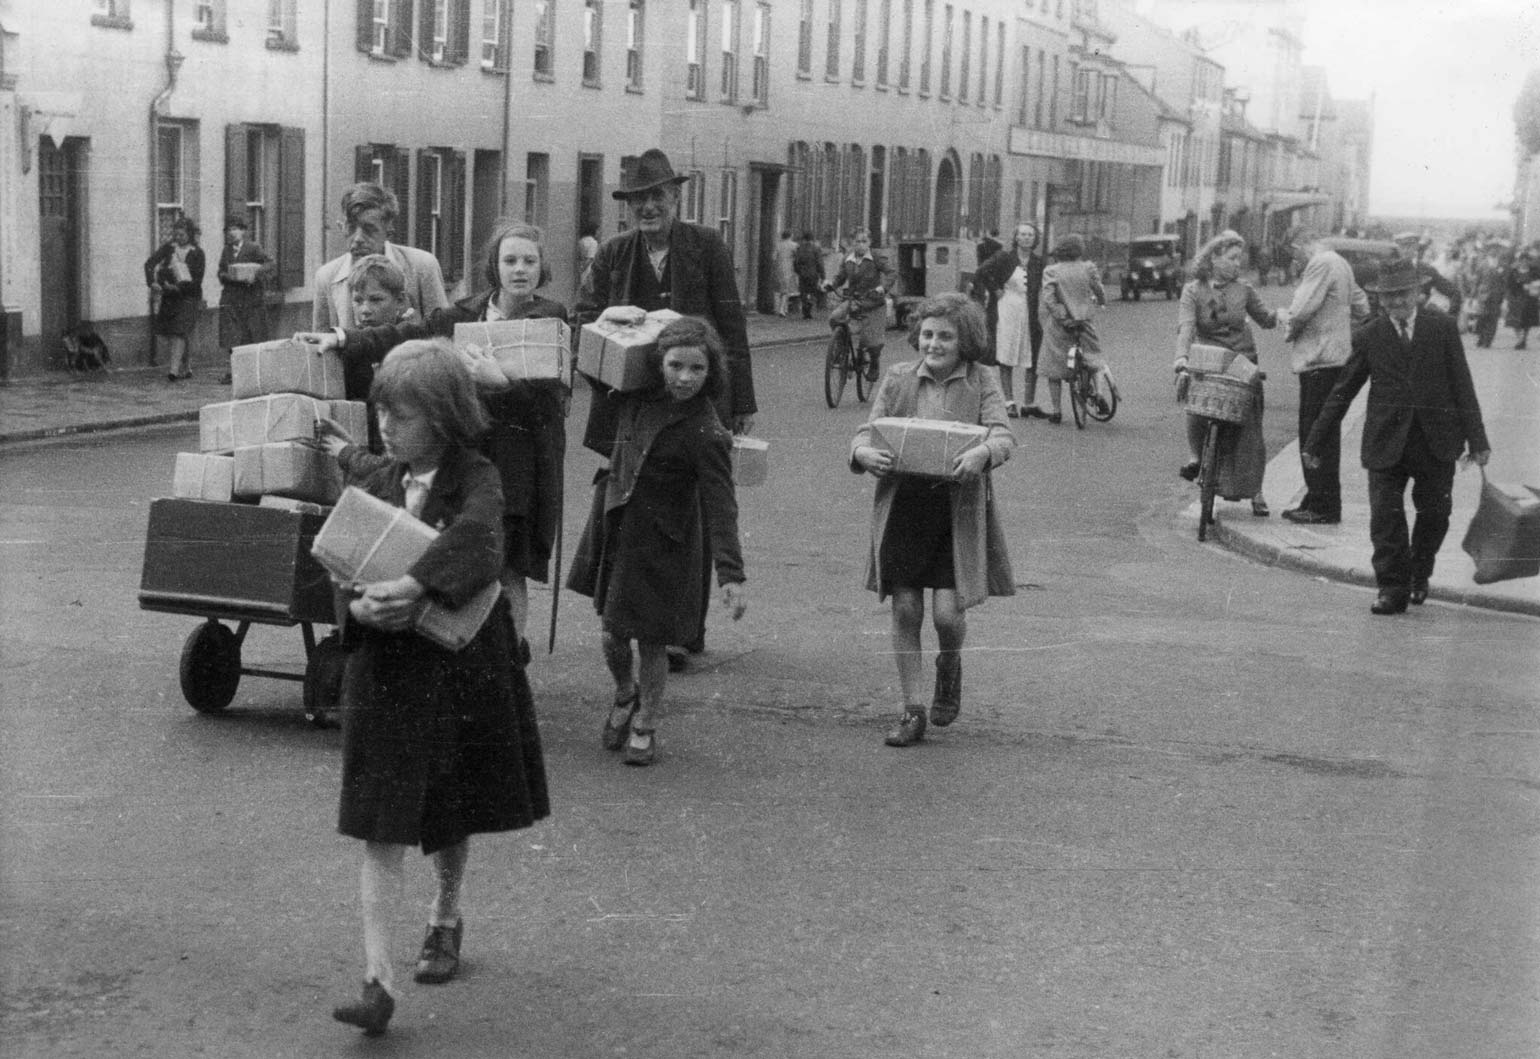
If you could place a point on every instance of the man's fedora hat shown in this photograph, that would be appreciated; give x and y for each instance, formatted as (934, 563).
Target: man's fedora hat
(1394, 276)
(651, 171)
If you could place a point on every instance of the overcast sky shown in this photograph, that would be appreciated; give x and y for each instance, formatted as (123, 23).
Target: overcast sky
(1444, 78)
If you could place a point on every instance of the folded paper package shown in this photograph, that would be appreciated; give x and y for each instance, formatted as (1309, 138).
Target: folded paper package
(751, 461)
(285, 366)
(287, 468)
(203, 476)
(216, 428)
(366, 540)
(302, 507)
(616, 354)
(1241, 368)
(927, 447)
(245, 271)
(526, 350)
(292, 417)
(1208, 359)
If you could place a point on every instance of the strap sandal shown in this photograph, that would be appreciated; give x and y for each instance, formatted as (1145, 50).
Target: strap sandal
(614, 736)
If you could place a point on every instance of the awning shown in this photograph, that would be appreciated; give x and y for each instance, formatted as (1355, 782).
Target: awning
(51, 114)
(1284, 201)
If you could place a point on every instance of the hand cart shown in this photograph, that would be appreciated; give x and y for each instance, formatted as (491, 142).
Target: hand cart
(244, 564)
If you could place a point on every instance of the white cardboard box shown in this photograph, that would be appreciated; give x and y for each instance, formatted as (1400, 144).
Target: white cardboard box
(616, 354)
(285, 366)
(203, 476)
(751, 461)
(367, 540)
(527, 350)
(287, 468)
(293, 417)
(927, 447)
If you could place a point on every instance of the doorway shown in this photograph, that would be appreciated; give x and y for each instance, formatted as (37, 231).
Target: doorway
(486, 205)
(948, 197)
(765, 189)
(60, 184)
(874, 201)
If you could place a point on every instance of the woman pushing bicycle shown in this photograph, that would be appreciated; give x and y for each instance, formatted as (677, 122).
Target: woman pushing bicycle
(1213, 310)
(1072, 289)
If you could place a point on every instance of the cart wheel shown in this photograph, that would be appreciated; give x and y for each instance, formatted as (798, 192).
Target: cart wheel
(323, 682)
(211, 667)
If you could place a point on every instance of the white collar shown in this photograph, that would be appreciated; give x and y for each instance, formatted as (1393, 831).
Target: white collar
(864, 257)
(425, 479)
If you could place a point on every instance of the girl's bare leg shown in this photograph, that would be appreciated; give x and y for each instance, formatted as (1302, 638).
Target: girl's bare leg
(379, 890)
(652, 680)
(449, 867)
(908, 615)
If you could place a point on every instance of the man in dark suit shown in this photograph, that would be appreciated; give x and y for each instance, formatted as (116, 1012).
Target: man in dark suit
(987, 247)
(1422, 413)
(666, 263)
(242, 308)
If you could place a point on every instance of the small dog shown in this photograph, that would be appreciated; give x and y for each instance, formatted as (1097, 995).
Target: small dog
(84, 349)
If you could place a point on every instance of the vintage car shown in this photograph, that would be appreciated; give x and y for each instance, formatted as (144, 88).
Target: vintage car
(1154, 264)
(1365, 256)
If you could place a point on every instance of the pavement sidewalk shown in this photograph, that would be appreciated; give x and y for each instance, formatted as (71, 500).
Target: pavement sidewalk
(1508, 386)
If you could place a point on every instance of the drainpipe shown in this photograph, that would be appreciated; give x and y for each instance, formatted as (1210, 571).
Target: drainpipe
(173, 60)
(326, 121)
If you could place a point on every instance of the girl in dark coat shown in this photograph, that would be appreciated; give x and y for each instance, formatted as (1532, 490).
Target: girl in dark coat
(176, 271)
(670, 476)
(528, 440)
(438, 745)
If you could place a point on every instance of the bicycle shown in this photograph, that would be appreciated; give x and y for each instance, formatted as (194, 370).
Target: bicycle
(1208, 466)
(1091, 393)
(843, 359)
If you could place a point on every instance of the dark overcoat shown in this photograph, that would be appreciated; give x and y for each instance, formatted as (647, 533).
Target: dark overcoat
(1429, 385)
(438, 744)
(642, 554)
(528, 440)
(242, 306)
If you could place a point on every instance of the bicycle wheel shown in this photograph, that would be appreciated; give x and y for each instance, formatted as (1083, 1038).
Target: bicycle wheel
(858, 368)
(1208, 479)
(836, 366)
(1078, 384)
(1101, 399)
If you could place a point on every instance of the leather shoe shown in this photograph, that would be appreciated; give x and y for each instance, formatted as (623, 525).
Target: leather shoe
(642, 747)
(1419, 593)
(370, 1013)
(1306, 517)
(440, 956)
(1389, 601)
(910, 730)
(1188, 471)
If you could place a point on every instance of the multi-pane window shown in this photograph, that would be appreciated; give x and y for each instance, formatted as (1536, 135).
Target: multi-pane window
(1053, 97)
(545, 38)
(762, 53)
(729, 50)
(171, 177)
(884, 39)
(983, 61)
(593, 33)
(265, 179)
(926, 36)
(258, 163)
(1079, 107)
(908, 39)
(1037, 106)
(440, 208)
(494, 30)
(858, 60)
(727, 206)
(282, 24)
(695, 49)
(381, 23)
(946, 53)
(805, 38)
(112, 13)
(964, 70)
(831, 66)
(440, 38)
(635, 26)
(1000, 65)
(1023, 78)
(1109, 99)
(444, 31)
(430, 202)
(204, 16)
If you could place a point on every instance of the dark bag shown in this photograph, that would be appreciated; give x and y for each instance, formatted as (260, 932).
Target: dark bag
(1504, 535)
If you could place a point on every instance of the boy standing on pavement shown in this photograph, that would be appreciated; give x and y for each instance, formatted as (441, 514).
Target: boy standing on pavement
(1320, 320)
(865, 279)
(242, 308)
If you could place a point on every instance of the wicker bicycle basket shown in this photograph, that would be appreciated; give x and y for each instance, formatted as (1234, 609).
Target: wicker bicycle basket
(1219, 397)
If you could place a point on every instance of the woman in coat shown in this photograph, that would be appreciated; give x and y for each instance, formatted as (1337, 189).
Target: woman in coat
(1524, 294)
(528, 439)
(1213, 310)
(176, 271)
(1012, 281)
(1072, 289)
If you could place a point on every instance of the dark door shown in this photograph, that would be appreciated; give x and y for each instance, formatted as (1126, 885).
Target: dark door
(59, 183)
(874, 203)
(486, 204)
(948, 198)
(762, 231)
(590, 204)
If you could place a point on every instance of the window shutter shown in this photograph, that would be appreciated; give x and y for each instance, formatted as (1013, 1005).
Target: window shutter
(424, 229)
(460, 31)
(291, 207)
(235, 170)
(400, 186)
(400, 28)
(505, 37)
(366, 25)
(453, 264)
(363, 163)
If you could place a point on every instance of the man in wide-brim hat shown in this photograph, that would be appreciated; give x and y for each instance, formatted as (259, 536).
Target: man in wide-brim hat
(666, 263)
(1413, 247)
(1422, 413)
